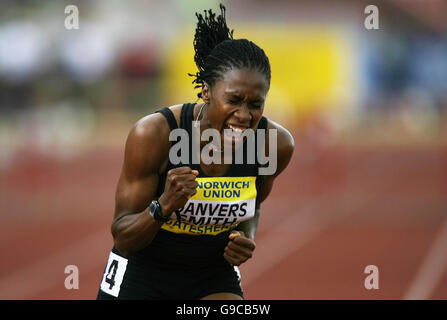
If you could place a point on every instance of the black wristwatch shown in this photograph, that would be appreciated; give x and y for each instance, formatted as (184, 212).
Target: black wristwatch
(156, 212)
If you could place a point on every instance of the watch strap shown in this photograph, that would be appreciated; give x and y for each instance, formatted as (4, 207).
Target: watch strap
(156, 212)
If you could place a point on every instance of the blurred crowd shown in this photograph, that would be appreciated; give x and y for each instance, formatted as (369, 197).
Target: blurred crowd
(62, 89)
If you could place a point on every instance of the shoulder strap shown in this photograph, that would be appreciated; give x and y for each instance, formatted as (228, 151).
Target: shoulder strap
(263, 126)
(262, 123)
(169, 117)
(186, 116)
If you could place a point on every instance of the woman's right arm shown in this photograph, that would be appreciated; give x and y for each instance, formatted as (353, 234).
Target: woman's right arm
(147, 148)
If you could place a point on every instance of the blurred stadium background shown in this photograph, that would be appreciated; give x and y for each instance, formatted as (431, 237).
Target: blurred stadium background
(367, 109)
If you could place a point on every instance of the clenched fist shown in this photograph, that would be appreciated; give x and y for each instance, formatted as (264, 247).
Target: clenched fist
(239, 248)
(180, 185)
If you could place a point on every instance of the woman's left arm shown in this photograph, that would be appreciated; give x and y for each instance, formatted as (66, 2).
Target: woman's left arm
(241, 245)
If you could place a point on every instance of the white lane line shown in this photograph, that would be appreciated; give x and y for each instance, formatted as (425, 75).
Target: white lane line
(48, 272)
(431, 269)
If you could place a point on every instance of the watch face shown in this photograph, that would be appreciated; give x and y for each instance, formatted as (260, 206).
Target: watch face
(152, 208)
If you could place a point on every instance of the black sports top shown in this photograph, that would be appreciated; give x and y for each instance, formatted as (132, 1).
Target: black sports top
(220, 204)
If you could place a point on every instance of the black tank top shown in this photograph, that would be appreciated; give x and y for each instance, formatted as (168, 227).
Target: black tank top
(196, 235)
(220, 202)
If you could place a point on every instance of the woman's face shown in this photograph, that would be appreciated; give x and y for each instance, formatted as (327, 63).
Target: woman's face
(236, 102)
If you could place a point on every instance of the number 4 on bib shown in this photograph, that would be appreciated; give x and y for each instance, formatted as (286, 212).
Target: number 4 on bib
(110, 277)
(113, 274)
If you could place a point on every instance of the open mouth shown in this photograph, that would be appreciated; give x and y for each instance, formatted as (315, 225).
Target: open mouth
(235, 127)
(234, 132)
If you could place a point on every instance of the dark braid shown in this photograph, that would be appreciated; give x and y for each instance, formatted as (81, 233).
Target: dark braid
(217, 52)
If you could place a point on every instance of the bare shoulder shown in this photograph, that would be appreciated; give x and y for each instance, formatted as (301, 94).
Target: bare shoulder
(147, 145)
(285, 141)
(155, 125)
(285, 145)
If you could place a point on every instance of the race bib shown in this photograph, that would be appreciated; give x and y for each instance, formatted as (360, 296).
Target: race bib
(114, 274)
(220, 204)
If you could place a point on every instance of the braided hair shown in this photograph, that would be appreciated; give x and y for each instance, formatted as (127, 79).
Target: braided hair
(216, 52)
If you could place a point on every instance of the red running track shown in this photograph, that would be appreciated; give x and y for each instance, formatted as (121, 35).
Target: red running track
(333, 212)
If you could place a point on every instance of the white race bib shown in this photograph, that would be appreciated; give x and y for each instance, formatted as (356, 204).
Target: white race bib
(113, 275)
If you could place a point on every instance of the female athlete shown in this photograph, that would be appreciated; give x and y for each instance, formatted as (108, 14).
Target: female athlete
(181, 229)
